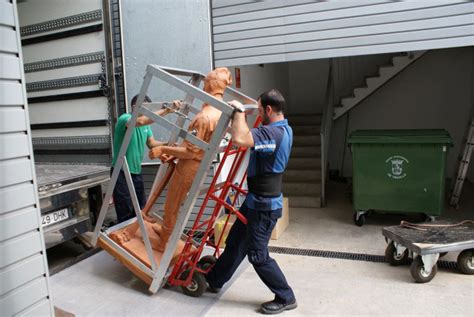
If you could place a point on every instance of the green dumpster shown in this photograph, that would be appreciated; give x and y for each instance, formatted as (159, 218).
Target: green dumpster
(401, 171)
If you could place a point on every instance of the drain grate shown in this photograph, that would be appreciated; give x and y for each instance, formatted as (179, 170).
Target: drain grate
(345, 256)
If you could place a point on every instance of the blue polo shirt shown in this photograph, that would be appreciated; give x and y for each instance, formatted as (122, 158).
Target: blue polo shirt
(270, 154)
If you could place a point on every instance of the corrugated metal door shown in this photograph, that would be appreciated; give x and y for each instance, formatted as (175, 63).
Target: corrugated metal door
(24, 286)
(253, 32)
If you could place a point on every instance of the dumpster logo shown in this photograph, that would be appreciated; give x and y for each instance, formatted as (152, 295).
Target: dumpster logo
(397, 165)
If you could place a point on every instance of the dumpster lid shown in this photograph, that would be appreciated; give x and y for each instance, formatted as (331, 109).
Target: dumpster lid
(438, 136)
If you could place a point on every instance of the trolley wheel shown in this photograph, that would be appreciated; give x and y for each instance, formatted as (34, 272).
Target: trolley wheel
(198, 284)
(206, 261)
(361, 221)
(466, 261)
(418, 272)
(392, 258)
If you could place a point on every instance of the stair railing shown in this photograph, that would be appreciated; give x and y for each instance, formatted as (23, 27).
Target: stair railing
(325, 133)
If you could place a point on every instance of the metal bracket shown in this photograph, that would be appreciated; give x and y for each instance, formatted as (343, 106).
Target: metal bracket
(429, 261)
(400, 249)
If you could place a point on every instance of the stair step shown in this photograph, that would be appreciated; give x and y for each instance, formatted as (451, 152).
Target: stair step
(301, 189)
(306, 129)
(295, 176)
(306, 151)
(373, 81)
(304, 140)
(304, 119)
(304, 201)
(298, 163)
(359, 91)
(387, 71)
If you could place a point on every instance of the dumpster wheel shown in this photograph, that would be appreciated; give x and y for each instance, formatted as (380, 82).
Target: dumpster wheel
(419, 273)
(359, 218)
(466, 261)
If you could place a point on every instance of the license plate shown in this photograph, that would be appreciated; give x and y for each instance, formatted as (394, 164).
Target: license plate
(53, 217)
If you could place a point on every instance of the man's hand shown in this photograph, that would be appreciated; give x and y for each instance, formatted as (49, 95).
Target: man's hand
(237, 106)
(155, 152)
(176, 105)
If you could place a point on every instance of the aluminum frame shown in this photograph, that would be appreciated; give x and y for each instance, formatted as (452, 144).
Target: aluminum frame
(159, 272)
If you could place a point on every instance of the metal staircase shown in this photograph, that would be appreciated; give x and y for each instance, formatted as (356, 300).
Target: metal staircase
(386, 72)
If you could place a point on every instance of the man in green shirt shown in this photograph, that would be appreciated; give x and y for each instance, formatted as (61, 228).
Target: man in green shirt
(142, 135)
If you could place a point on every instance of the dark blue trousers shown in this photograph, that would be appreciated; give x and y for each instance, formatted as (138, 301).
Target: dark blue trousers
(252, 240)
(122, 200)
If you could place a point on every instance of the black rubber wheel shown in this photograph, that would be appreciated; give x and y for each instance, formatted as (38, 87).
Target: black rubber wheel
(206, 261)
(359, 222)
(418, 272)
(392, 258)
(466, 261)
(198, 284)
(429, 218)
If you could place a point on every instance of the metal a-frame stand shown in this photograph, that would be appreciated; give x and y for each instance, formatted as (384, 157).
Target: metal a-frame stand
(463, 164)
(156, 275)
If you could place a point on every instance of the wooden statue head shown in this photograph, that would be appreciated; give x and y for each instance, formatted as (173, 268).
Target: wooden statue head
(217, 81)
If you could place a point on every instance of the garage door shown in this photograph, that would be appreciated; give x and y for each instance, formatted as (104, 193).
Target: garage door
(253, 32)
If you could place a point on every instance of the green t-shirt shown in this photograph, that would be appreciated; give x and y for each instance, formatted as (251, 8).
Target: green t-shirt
(137, 143)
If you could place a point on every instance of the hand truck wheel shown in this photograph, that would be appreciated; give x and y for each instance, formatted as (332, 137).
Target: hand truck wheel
(198, 284)
(207, 261)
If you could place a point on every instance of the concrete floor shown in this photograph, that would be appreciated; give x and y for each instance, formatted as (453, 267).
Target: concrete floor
(100, 286)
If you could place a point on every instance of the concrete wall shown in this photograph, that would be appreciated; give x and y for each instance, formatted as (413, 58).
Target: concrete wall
(433, 93)
(307, 84)
(471, 167)
(256, 79)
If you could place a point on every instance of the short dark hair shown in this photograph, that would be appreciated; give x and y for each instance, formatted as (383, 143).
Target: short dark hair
(273, 98)
(134, 100)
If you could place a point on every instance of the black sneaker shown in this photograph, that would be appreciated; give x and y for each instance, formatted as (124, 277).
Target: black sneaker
(211, 288)
(276, 307)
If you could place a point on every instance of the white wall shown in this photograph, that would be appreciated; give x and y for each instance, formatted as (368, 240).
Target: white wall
(435, 92)
(257, 79)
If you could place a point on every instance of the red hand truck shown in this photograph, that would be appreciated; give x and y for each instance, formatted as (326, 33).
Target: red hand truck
(189, 269)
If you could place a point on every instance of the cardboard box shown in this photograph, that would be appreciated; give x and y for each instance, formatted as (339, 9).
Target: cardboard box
(280, 226)
(219, 228)
(283, 222)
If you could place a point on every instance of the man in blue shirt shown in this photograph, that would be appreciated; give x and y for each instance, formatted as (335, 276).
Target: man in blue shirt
(270, 150)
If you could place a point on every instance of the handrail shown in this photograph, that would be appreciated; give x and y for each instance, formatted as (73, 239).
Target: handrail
(325, 130)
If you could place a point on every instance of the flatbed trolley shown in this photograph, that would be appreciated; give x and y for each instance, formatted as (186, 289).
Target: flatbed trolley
(179, 263)
(426, 243)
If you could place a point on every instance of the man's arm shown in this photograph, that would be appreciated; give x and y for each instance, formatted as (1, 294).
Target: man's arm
(180, 152)
(144, 120)
(151, 142)
(240, 131)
